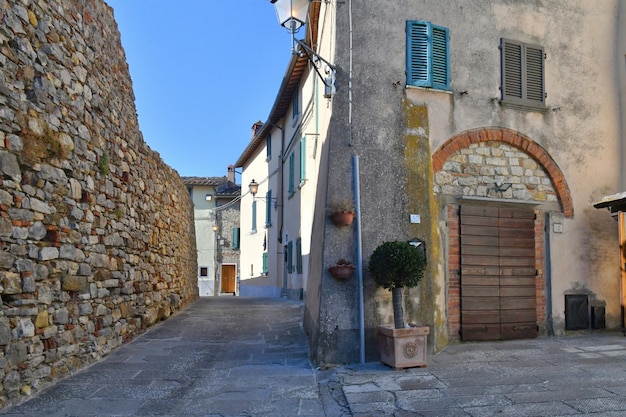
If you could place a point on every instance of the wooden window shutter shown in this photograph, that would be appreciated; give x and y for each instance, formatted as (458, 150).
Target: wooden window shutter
(291, 188)
(302, 159)
(427, 55)
(254, 216)
(236, 238)
(440, 58)
(264, 266)
(417, 56)
(534, 74)
(268, 208)
(290, 257)
(299, 255)
(522, 74)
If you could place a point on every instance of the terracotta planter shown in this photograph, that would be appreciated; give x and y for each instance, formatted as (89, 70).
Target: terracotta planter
(403, 348)
(342, 218)
(341, 271)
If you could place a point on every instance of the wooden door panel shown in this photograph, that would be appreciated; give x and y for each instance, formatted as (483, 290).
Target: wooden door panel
(518, 292)
(472, 281)
(480, 303)
(483, 211)
(482, 291)
(480, 271)
(480, 332)
(481, 317)
(523, 252)
(498, 294)
(506, 281)
(516, 262)
(518, 272)
(518, 331)
(468, 250)
(517, 303)
(479, 240)
(479, 230)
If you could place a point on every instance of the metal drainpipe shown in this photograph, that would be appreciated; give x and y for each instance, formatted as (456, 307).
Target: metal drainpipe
(357, 201)
(548, 276)
(359, 255)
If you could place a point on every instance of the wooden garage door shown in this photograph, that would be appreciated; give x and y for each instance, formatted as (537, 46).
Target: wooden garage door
(498, 296)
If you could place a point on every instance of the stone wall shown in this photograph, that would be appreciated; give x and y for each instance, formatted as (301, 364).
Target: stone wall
(96, 232)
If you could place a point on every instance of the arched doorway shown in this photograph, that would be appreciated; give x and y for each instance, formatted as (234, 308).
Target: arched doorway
(496, 185)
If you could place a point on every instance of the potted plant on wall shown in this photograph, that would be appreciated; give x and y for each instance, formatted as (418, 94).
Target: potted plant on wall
(342, 270)
(341, 212)
(396, 265)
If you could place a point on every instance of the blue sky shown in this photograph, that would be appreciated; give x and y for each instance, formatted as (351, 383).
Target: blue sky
(203, 72)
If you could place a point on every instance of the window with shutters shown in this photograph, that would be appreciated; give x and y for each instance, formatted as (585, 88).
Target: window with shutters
(268, 208)
(427, 55)
(298, 255)
(236, 233)
(290, 257)
(302, 160)
(523, 74)
(264, 265)
(292, 161)
(253, 217)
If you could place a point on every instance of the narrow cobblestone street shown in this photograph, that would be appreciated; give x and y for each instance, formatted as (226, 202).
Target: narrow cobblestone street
(222, 356)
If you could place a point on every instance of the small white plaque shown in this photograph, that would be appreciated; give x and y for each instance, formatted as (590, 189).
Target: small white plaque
(415, 218)
(558, 228)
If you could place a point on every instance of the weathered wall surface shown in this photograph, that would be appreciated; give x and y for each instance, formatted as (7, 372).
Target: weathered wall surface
(96, 232)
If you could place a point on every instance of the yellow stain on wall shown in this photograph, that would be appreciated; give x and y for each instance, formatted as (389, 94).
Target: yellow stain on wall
(421, 200)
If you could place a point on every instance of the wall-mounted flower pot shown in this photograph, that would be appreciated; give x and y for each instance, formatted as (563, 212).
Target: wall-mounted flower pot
(341, 272)
(342, 218)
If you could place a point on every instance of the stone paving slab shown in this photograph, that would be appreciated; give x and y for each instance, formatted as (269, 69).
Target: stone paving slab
(566, 376)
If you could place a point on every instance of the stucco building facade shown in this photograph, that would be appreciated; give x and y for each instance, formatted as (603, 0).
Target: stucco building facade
(486, 129)
(216, 220)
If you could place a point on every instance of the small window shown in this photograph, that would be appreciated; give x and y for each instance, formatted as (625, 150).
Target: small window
(268, 208)
(236, 233)
(204, 271)
(427, 55)
(299, 255)
(253, 217)
(302, 160)
(292, 160)
(268, 147)
(522, 74)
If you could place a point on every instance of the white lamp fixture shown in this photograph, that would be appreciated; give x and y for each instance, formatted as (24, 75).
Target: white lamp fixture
(292, 15)
(208, 197)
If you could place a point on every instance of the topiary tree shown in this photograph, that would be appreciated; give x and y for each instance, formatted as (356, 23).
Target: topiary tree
(395, 265)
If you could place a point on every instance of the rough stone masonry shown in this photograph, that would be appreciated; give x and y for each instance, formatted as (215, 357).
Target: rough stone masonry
(96, 232)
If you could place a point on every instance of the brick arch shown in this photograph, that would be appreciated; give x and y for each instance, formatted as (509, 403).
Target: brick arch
(516, 139)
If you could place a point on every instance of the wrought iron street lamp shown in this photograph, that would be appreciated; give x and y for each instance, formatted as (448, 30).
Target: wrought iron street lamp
(292, 15)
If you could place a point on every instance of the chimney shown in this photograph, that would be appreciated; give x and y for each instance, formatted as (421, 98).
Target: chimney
(256, 127)
(231, 173)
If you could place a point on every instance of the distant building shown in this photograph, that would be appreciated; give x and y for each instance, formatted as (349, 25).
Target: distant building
(216, 216)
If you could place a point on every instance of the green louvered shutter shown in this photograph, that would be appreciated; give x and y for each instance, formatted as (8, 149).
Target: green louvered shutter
(417, 59)
(236, 234)
(440, 58)
(268, 208)
(427, 55)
